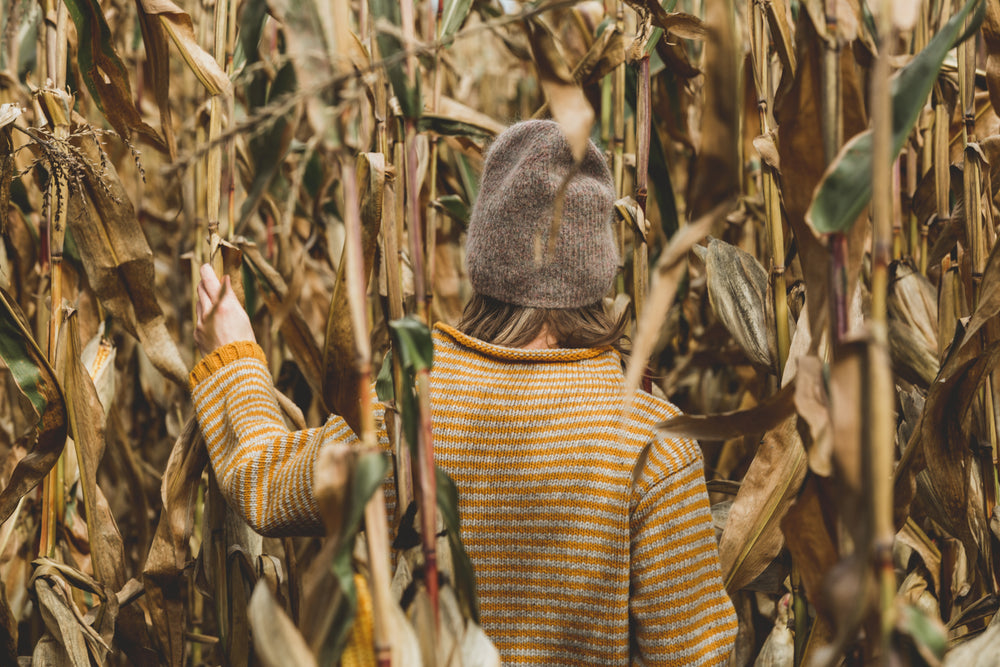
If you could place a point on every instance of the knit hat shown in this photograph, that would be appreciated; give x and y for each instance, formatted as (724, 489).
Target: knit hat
(513, 216)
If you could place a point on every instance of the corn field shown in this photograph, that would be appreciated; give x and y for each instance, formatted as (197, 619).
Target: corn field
(807, 227)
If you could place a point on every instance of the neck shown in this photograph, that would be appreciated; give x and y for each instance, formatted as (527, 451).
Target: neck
(543, 341)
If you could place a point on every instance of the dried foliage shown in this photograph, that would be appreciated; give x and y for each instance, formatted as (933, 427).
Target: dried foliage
(814, 280)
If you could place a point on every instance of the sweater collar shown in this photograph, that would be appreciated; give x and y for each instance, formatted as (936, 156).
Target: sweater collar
(514, 353)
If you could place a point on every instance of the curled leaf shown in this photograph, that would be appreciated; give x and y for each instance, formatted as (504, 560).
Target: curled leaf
(752, 537)
(737, 290)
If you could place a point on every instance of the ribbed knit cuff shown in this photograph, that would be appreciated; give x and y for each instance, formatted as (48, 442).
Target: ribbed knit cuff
(241, 349)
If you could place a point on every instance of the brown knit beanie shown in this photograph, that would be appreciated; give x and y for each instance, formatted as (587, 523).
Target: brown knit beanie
(523, 170)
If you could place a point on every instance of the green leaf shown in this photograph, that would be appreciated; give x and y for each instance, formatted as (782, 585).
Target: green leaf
(391, 49)
(456, 207)
(412, 339)
(383, 383)
(36, 380)
(465, 576)
(846, 187)
(251, 27)
(452, 128)
(455, 13)
(366, 480)
(271, 146)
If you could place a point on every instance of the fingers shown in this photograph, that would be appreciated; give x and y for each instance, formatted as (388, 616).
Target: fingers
(204, 300)
(210, 281)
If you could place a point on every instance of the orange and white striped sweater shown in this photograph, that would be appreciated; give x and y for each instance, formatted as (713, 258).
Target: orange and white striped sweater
(575, 563)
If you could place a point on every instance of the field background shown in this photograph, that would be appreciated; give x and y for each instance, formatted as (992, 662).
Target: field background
(835, 351)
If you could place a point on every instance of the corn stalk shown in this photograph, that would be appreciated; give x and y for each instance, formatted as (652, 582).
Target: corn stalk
(760, 46)
(55, 105)
(640, 247)
(425, 476)
(879, 431)
(618, 139)
(376, 526)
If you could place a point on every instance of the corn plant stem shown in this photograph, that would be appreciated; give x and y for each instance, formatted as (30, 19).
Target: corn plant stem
(880, 406)
(427, 489)
(53, 488)
(392, 207)
(197, 601)
(832, 123)
(640, 249)
(61, 50)
(213, 176)
(897, 221)
(772, 202)
(231, 117)
(430, 241)
(913, 231)
(941, 165)
(8, 526)
(414, 225)
(376, 528)
(761, 59)
(213, 191)
(618, 143)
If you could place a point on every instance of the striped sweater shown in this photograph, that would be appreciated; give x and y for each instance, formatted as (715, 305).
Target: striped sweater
(576, 561)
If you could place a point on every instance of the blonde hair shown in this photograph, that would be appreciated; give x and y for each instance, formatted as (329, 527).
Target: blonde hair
(500, 323)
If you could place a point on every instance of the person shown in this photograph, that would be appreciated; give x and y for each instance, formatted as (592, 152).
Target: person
(585, 550)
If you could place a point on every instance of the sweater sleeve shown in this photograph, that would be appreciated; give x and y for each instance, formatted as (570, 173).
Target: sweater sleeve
(680, 612)
(265, 471)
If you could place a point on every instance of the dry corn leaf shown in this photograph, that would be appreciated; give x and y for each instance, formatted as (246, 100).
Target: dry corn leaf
(762, 417)
(663, 287)
(914, 537)
(86, 422)
(752, 537)
(812, 542)
(913, 318)
(714, 174)
(297, 334)
(37, 382)
(779, 647)
(163, 573)
(980, 651)
(991, 39)
(81, 639)
(567, 103)
(9, 113)
(176, 23)
(942, 435)
(118, 260)
(104, 73)
(343, 379)
(678, 23)
(276, 641)
(812, 403)
(783, 41)
(799, 118)
(8, 631)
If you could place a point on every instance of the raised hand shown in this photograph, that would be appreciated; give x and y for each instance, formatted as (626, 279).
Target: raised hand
(221, 318)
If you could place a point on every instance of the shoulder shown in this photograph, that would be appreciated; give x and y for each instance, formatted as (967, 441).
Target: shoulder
(663, 456)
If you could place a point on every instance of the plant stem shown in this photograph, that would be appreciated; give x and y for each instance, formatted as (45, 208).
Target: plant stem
(761, 57)
(376, 526)
(618, 142)
(880, 432)
(640, 249)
